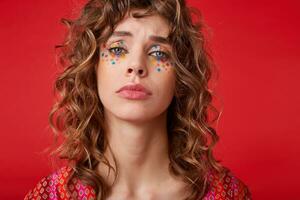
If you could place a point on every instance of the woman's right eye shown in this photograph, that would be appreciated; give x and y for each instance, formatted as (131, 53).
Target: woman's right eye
(117, 51)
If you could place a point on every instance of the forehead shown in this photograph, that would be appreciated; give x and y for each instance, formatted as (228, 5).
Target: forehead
(148, 25)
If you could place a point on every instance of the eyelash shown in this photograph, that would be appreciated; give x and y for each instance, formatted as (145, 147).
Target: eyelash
(165, 55)
(114, 48)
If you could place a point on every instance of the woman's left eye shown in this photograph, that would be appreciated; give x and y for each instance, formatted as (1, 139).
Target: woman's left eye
(160, 55)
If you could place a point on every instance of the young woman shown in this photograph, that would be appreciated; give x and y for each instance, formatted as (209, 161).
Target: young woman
(134, 108)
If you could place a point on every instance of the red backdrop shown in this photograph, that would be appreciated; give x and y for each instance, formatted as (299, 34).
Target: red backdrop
(256, 46)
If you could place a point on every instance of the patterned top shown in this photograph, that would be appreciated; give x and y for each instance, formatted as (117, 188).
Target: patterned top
(53, 187)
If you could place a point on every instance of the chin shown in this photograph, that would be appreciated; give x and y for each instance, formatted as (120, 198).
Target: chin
(136, 113)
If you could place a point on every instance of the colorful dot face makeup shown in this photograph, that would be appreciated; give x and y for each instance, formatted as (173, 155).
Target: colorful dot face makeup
(159, 59)
(114, 54)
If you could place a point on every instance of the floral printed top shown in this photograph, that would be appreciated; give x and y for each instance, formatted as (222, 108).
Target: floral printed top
(53, 187)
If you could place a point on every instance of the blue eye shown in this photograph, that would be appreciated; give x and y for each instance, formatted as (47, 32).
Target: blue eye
(117, 50)
(160, 55)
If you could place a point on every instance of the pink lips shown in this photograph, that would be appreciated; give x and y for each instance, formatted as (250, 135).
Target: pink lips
(134, 91)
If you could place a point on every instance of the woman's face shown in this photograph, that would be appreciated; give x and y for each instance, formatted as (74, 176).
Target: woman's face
(137, 53)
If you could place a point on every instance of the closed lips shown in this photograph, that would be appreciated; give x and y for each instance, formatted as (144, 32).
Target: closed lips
(137, 87)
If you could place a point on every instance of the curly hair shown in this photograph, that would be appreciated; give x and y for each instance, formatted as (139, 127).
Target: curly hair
(78, 113)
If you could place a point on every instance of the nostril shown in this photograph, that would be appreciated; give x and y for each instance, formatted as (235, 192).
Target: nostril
(140, 71)
(129, 70)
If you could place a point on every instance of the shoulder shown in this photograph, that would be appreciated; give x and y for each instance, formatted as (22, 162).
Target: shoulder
(226, 186)
(55, 186)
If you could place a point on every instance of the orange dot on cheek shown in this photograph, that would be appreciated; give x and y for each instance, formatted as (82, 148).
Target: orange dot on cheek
(121, 57)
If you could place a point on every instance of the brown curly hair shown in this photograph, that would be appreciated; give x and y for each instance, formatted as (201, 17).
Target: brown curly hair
(78, 114)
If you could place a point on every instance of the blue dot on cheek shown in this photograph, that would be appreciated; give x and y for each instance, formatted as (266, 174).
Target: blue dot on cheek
(158, 69)
(113, 62)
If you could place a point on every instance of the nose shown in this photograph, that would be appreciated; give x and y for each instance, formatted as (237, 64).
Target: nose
(139, 71)
(137, 66)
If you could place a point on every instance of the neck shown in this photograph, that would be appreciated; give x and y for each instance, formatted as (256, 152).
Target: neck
(140, 150)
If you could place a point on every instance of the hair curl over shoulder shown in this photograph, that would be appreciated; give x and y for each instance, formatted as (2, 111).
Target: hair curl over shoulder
(78, 115)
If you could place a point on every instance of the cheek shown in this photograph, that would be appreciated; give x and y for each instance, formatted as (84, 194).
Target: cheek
(161, 65)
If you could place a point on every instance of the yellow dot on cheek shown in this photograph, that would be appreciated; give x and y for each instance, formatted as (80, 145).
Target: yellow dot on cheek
(152, 61)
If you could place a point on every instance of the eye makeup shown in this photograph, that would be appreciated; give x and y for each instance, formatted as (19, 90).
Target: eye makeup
(113, 53)
(161, 62)
(159, 59)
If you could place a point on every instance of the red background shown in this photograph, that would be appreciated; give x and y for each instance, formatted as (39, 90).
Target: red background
(255, 45)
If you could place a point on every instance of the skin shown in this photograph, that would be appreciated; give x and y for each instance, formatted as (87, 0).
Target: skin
(137, 129)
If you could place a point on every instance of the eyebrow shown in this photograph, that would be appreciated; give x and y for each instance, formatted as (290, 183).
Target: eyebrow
(154, 38)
